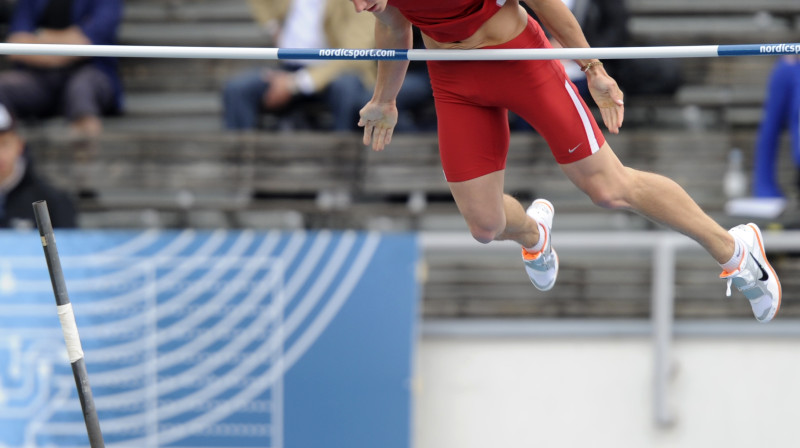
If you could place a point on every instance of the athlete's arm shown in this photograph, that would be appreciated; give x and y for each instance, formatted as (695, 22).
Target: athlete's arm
(392, 30)
(379, 116)
(563, 26)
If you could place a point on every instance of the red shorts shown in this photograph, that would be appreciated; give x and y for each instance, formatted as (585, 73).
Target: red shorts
(473, 99)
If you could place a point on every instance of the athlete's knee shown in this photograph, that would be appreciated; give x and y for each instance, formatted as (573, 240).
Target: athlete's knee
(611, 195)
(484, 235)
(486, 229)
(606, 198)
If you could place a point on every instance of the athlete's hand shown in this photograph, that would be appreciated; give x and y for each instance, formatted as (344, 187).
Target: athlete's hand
(608, 97)
(378, 121)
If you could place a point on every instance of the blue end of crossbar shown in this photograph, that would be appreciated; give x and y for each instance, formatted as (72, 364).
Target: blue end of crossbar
(758, 49)
(372, 54)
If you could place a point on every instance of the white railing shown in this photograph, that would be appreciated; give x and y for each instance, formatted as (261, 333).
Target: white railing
(663, 247)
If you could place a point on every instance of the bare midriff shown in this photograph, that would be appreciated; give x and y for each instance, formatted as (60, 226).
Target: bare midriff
(503, 26)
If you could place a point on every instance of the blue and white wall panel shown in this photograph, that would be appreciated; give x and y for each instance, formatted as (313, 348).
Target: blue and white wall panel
(212, 339)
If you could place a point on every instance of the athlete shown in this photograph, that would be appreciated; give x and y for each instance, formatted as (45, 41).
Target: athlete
(472, 100)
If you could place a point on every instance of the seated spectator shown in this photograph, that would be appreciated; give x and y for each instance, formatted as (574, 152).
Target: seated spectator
(82, 89)
(338, 84)
(781, 112)
(20, 186)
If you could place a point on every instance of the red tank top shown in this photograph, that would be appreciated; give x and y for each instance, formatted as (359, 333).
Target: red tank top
(448, 20)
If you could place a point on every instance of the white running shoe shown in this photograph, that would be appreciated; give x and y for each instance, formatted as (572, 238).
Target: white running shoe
(755, 277)
(542, 267)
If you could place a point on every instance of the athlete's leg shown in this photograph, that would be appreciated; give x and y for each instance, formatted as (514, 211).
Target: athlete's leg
(492, 215)
(612, 185)
(473, 143)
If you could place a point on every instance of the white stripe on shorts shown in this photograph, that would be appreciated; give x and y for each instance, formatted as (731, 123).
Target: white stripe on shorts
(587, 124)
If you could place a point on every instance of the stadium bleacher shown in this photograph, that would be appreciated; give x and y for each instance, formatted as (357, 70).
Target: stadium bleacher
(167, 162)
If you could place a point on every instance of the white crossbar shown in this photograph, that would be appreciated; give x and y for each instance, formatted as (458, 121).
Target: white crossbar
(135, 51)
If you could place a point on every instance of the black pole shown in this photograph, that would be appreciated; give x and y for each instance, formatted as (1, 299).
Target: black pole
(68, 326)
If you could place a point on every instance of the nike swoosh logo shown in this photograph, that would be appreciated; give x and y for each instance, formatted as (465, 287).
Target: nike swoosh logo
(764, 275)
(573, 149)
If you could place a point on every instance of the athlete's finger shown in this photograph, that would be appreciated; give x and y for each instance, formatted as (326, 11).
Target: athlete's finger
(616, 97)
(620, 113)
(388, 138)
(379, 139)
(615, 119)
(376, 139)
(610, 119)
(367, 133)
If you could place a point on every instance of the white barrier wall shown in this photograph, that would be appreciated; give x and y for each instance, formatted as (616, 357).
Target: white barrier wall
(475, 392)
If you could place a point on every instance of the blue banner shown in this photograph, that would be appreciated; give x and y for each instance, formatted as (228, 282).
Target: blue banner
(759, 49)
(371, 54)
(212, 339)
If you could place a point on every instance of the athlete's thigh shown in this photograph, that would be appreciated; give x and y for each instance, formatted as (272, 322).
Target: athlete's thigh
(473, 139)
(601, 170)
(480, 200)
(553, 106)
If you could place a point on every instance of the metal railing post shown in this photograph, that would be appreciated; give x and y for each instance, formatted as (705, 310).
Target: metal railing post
(662, 316)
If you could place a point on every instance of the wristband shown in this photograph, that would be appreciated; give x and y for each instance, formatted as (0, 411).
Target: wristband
(585, 68)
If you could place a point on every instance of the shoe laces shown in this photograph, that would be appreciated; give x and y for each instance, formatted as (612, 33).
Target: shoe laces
(543, 261)
(746, 280)
(738, 271)
(729, 280)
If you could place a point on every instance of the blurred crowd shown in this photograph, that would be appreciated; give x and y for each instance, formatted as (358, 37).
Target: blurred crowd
(298, 95)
